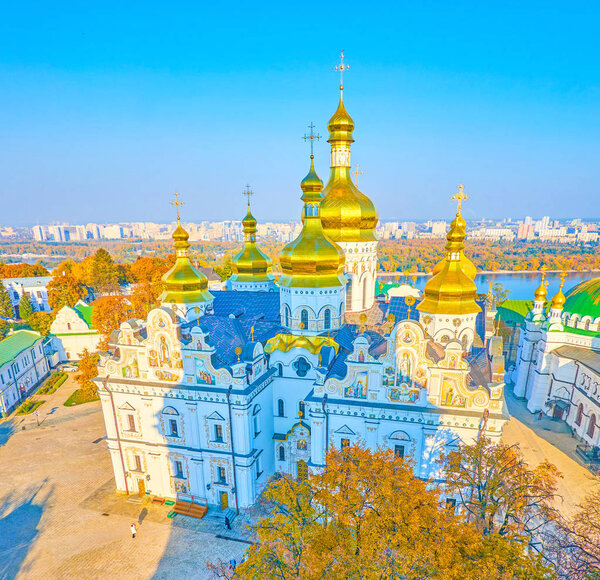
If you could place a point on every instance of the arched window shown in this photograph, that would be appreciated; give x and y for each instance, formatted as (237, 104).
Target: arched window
(365, 293)
(301, 366)
(579, 414)
(280, 408)
(304, 317)
(279, 369)
(591, 426)
(464, 342)
(281, 453)
(286, 316)
(327, 317)
(586, 326)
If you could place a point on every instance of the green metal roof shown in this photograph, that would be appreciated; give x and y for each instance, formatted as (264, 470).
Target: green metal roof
(514, 311)
(16, 343)
(85, 311)
(584, 299)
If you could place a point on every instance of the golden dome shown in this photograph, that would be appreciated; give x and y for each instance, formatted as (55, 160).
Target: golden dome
(452, 289)
(559, 299)
(458, 228)
(542, 290)
(312, 260)
(347, 214)
(251, 264)
(184, 284)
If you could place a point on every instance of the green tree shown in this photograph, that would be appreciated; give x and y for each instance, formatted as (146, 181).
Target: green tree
(40, 322)
(224, 272)
(105, 274)
(25, 307)
(4, 328)
(6, 306)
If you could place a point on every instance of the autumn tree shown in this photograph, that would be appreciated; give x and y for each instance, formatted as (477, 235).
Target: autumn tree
(65, 289)
(147, 274)
(22, 270)
(88, 370)
(40, 322)
(366, 516)
(107, 315)
(499, 491)
(25, 307)
(105, 274)
(6, 306)
(4, 328)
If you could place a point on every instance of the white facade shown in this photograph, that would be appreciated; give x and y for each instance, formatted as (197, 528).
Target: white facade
(317, 309)
(361, 270)
(73, 334)
(177, 421)
(23, 366)
(34, 287)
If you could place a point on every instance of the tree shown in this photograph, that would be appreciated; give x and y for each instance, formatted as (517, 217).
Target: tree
(25, 307)
(500, 293)
(224, 272)
(22, 270)
(40, 322)
(143, 299)
(366, 516)
(107, 315)
(88, 370)
(4, 328)
(105, 274)
(499, 491)
(6, 306)
(65, 289)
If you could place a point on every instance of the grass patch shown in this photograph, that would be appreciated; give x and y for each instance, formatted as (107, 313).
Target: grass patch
(52, 384)
(28, 406)
(79, 397)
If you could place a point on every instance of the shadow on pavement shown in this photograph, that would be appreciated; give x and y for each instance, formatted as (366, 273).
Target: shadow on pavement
(19, 519)
(7, 428)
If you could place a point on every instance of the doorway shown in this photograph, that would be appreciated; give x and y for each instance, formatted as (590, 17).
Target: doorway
(224, 500)
(141, 487)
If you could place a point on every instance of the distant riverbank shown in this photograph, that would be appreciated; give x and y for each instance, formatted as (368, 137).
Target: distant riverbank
(488, 272)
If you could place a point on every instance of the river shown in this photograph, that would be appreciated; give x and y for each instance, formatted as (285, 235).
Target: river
(521, 285)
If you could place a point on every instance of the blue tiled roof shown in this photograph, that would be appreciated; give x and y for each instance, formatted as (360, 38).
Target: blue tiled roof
(255, 305)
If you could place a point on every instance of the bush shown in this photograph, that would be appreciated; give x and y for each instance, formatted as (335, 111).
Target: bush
(28, 406)
(79, 397)
(52, 384)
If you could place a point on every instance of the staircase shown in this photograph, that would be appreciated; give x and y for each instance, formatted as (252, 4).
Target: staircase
(189, 505)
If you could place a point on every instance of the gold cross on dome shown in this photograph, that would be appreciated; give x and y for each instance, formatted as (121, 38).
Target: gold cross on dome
(342, 67)
(311, 138)
(248, 193)
(356, 173)
(460, 197)
(177, 203)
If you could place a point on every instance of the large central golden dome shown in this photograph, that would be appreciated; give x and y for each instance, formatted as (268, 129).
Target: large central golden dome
(312, 260)
(347, 214)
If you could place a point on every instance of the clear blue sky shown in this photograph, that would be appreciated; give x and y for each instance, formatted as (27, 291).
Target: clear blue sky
(107, 108)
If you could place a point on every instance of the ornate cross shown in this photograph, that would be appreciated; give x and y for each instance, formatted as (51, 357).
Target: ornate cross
(356, 173)
(311, 138)
(177, 203)
(342, 67)
(248, 193)
(460, 197)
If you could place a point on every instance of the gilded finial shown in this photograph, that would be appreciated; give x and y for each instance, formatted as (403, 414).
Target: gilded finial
(238, 352)
(356, 173)
(563, 275)
(311, 138)
(177, 203)
(248, 193)
(252, 333)
(409, 301)
(363, 322)
(342, 67)
(460, 197)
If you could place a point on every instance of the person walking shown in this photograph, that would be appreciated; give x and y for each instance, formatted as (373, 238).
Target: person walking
(133, 528)
(227, 523)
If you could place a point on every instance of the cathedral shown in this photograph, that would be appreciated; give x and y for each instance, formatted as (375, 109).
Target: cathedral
(215, 393)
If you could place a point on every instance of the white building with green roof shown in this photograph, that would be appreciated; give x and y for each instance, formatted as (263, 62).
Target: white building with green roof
(74, 331)
(558, 360)
(23, 366)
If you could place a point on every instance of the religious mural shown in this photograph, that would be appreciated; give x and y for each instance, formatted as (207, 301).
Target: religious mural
(450, 395)
(202, 374)
(358, 389)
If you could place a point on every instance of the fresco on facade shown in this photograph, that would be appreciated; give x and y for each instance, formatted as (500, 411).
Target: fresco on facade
(450, 395)
(302, 445)
(166, 376)
(403, 393)
(358, 389)
(202, 374)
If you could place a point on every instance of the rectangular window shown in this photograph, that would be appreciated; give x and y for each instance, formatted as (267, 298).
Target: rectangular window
(221, 475)
(399, 451)
(219, 433)
(345, 443)
(178, 469)
(174, 429)
(258, 469)
(137, 463)
(130, 422)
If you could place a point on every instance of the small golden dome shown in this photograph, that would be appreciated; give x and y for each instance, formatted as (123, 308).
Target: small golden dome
(559, 299)
(347, 214)
(183, 283)
(251, 264)
(312, 260)
(457, 233)
(542, 290)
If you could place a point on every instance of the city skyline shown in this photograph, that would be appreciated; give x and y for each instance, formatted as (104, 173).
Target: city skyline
(103, 120)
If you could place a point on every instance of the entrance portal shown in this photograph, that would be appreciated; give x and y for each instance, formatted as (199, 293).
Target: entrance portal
(141, 487)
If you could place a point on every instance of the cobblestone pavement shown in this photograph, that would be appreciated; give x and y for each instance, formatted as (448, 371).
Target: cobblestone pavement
(550, 440)
(55, 486)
